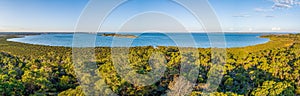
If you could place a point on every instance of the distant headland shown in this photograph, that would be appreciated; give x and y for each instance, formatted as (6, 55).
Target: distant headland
(119, 35)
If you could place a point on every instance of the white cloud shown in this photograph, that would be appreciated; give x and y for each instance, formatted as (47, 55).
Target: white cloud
(269, 16)
(250, 29)
(276, 29)
(231, 29)
(241, 15)
(280, 5)
(285, 3)
(262, 10)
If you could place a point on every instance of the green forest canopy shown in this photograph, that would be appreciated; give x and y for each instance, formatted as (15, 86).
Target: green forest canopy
(271, 69)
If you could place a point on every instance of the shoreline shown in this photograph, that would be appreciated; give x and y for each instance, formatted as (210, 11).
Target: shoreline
(21, 35)
(275, 41)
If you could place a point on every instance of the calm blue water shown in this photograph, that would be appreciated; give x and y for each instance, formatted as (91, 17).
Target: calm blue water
(149, 39)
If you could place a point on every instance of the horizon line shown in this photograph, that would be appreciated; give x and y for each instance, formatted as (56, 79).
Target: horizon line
(150, 32)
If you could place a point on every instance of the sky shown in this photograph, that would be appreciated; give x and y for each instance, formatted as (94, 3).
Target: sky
(139, 15)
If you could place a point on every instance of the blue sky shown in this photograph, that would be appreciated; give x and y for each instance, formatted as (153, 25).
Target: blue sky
(234, 15)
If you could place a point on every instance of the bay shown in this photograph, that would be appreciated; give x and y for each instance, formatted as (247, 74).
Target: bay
(198, 40)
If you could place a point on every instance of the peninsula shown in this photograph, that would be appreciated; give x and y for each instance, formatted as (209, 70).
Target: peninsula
(119, 35)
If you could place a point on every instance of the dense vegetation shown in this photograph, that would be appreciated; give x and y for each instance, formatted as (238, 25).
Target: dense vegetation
(266, 69)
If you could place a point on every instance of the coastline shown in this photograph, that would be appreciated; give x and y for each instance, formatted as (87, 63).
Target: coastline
(21, 35)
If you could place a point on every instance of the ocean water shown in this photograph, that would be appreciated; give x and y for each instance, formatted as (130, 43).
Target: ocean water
(198, 40)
